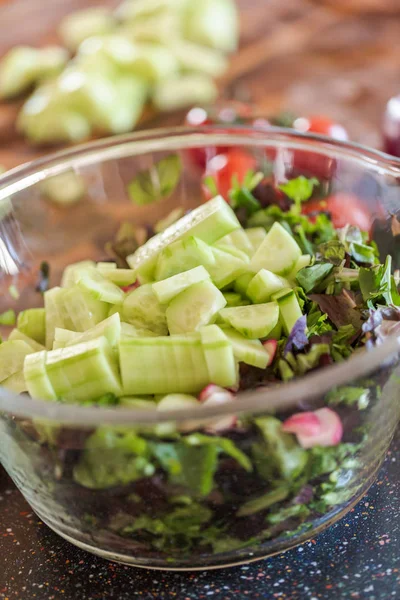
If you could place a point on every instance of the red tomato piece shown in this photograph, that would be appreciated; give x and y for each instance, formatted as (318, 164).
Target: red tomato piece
(344, 209)
(223, 167)
(321, 125)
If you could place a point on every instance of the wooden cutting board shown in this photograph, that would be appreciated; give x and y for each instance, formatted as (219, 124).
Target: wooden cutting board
(312, 57)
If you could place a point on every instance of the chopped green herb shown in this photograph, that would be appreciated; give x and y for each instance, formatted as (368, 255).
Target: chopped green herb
(299, 190)
(157, 182)
(8, 317)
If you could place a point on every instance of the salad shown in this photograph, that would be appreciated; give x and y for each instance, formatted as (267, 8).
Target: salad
(228, 297)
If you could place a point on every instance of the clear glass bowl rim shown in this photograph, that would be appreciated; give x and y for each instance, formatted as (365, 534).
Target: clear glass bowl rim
(283, 396)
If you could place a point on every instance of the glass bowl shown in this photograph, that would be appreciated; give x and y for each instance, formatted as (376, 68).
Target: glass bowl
(206, 500)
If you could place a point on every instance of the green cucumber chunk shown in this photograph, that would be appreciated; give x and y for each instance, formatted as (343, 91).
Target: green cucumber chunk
(263, 285)
(70, 274)
(253, 321)
(195, 307)
(234, 299)
(239, 240)
(236, 252)
(32, 323)
(208, 222)
(241, 283)
(178, 365)
(226, 269)
(16, 334)
(128, 331)
(97, 284)
(168, 288)
(83, 310)
(303, 261)
(106, 266)
(251, 352)
(37, 382)
(142, 309)
(12, 357)
(219, 356)
(181, 256)
(62, 337)
(289, 308)
(15, 383)
(110, 328)
(83, 371)
(256, 236)
(119, 277)
(278, 252)
(56, 314)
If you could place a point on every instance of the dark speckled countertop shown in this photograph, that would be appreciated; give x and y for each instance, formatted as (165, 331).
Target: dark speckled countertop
(358, 558)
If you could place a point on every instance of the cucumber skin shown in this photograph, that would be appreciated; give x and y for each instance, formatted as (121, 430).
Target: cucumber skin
(289, 309)
(167, 289)
(195, 307)
(36, 379)
(219, 356)
(178, 365)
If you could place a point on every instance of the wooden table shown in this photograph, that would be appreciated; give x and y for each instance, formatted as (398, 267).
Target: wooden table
(333, 57)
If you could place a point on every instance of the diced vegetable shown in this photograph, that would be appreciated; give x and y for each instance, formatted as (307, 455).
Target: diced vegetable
(193, 308)
(64, 189)
(226, 269)
(242, 282)
(12, 356)
(71, 272)
(18, 335)
(15, 383)
(142, 309)
(167, 289)
(82, 24)
(110, 328)
(289, 308)
(256, 236)
(183, 255)
(278, 253)
(253, 321)
(219, 356)
(251, 352)
(213, 23)
(37, 381)
(239, 240)
(263, 285)
(179, 92)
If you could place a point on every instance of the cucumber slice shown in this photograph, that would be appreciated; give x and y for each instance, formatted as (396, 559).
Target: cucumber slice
(256, 236)
(83, 371)
(83, 310)
(263, 285)
(130, 331)
(91, 280)
(219, 356)
(18, 335)
(56, 314)
(254, 321)
(177, 402)
(106, 266)
(289, 308)
(241, 284)
(239, 240)
(110, 328)
(167, 289)
(208, 222)
(181, 256)
(15, 383)
(69, 277)
(31, 322)
(197, 306)
(251, 352)
(234, 299)
(142, 309)
(278, 253)
(119, 277)
(226, 269)
(303, 261)
(234, 251)
(276, 332)
(137, 403)
(37, 381)
(12, 356)
(63, 336)
(178, 365)
(170, 219)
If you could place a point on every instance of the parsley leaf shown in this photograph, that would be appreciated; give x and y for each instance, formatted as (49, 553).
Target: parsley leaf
(299, 190)
(157, 182)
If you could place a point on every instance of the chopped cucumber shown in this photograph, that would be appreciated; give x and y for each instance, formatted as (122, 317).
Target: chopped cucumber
(106, 266)
(263, 285)
(31, 322)
(234, 251)
(253, 321)
(178, 365)
(209, 222)
(69, 277)
(37, 381)
(241, 284)
(256, 236)
(83, 310)
(181, 256)
(276, 332)
(289, 308)
(170, 219)
(168, 288)
(177, 402)
(129, 331)
(303, 261)
(110, 328)
(18, 335)
(142, 309)
(83, 371)
(136, 402)
(197, 306)
(226, 269)
(251, 352)
(219, 356)
(239, 240)
(62, 337)
(278, 252)
(15, 383)
(56, 313)
(119, 277)
(12, 356)
(234, 299)
(100, 288)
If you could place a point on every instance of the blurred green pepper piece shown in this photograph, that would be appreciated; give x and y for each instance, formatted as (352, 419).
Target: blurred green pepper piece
(22, 67)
